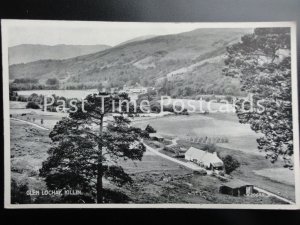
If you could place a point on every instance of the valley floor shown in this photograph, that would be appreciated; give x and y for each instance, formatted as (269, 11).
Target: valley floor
(157, 180)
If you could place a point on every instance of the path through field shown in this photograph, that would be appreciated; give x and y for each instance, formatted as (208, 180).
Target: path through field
(185, 164)
(194, 167)
(33, 124)
(274, 195)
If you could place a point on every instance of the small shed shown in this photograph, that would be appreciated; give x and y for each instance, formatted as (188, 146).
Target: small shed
(156, 137)
(237, 188)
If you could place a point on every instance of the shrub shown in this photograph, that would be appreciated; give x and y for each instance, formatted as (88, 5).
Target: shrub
(155, 107)
(210, 147)
(150, 129)
(32, 105)
(230, 163)
(18, 193)
(52, 81)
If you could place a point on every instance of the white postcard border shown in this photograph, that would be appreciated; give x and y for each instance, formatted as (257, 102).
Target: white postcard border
(5, 23)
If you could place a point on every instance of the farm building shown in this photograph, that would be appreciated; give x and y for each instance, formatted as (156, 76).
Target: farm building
(156, 137)
(204, 158)
(236, 188)
(136, 89)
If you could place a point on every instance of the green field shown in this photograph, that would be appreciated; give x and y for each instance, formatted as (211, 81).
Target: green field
(280, 175)
(240, 136)
(242, 145)
(277, 183)
(156, 180)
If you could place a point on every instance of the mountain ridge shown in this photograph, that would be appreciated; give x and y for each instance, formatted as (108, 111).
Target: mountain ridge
(25, 53)
(190, 62)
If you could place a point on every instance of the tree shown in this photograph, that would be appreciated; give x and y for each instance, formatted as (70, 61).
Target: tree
(33, 97)
(230, 164)
(86, 150)
(262, 62)
(155, 106)
(52, 81)
(100, 86)
(150, 129)
(19, 193)
(32, 105)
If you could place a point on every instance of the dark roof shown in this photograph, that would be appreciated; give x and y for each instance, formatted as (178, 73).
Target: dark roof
(157, 135)
(236, 184)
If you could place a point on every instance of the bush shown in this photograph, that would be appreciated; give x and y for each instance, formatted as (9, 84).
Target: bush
(52, 81)
(155, 107)
(144, 134)
(32, 105)
(200, 172)
(230, 164)
(19, 193)
(210, 147)
(150, 129)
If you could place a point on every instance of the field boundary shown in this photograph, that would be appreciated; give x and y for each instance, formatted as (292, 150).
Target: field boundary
(33, 124)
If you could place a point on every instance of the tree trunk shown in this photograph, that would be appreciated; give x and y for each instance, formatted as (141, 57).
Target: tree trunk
(100, 169)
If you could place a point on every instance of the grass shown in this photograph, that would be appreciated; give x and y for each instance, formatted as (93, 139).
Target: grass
(29, 147)
(65, 93)
(156, 180)
(171, 187)
(18, 110)
(239, 136)
(17, 105)
(251, 163)
(280, 175)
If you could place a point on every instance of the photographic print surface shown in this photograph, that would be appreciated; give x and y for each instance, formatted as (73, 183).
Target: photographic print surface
(119, 114)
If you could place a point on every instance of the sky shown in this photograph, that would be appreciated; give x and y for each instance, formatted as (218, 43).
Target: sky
(54, 32)
(87, 33)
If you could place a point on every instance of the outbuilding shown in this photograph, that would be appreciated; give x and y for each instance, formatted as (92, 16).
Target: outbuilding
(237, 188)
(156, 137)
(204, 158)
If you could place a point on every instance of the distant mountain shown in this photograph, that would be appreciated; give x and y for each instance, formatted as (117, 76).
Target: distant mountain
(28, 53)
(184, 64)
(141, 38)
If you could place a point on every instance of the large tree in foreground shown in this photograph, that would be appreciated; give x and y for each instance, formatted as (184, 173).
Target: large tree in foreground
(87, 149)
(262, 62)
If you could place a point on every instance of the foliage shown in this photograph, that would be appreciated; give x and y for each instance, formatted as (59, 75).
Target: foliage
(26, 80)
(52, 81)
(197, 56)
(262, 62)
(230, 163)
(155, 106)
(84, 152)
(150, 129)
(210, 147)
(32, 105)
(18, 193)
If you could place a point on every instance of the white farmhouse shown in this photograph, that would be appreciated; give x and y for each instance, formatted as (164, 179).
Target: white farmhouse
(136, 89)
(204, 158)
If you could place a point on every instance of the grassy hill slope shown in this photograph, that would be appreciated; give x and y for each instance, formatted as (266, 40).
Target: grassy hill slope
(28, 53)
(185, 64)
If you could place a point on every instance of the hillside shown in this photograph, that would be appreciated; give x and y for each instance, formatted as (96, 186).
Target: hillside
(141, 38)
(183, 64)
(28, 53)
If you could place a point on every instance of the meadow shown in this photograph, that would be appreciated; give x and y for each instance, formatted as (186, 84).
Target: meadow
(156, 180)
(240, 136)
(79, 94)
(241, 143)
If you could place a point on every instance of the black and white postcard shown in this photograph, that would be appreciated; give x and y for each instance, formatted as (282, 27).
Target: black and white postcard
(150, 115)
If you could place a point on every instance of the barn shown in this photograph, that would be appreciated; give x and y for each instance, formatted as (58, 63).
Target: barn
(204, 158)
(237, 188)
